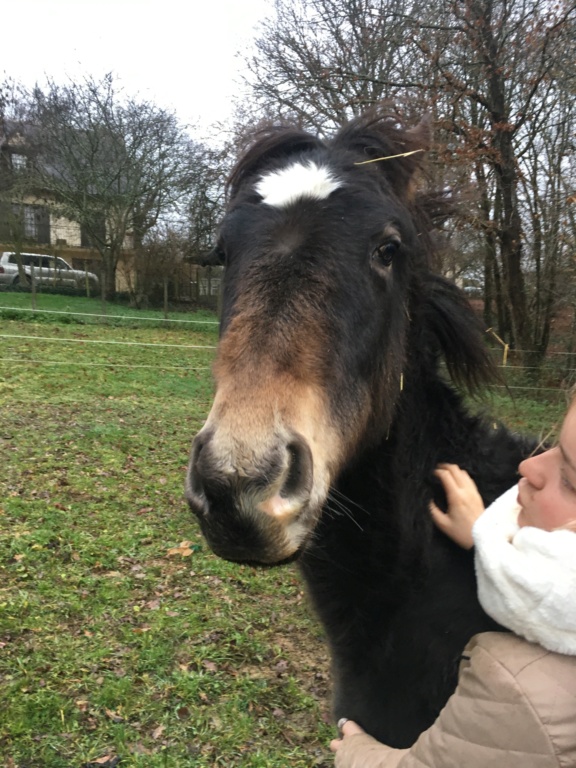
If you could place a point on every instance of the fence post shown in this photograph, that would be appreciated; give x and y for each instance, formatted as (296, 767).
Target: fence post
(103, 289)
(33, 285)
(165, 297)
(220, 297)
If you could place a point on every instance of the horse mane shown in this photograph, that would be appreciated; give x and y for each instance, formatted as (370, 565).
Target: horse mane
(447, 326)
(452, 328)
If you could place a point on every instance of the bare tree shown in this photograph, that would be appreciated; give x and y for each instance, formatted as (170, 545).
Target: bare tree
(113, 164)
(493, 73)
(323, 61)
(204, 201)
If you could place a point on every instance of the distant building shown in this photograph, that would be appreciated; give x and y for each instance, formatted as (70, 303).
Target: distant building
(30, 219)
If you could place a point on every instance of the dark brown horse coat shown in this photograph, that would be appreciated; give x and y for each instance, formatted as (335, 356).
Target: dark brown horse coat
(335, 401)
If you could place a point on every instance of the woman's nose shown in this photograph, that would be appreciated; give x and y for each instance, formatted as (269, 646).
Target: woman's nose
(534, 469)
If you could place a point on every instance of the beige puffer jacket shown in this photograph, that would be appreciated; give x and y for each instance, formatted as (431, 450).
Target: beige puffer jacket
(514, 707)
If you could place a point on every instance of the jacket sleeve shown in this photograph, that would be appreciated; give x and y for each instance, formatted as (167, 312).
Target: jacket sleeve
(487, 723)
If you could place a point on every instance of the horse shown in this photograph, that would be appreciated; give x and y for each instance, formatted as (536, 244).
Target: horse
(341, 373)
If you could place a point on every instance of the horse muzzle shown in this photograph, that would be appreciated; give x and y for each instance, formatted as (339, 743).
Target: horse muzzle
(253, 505)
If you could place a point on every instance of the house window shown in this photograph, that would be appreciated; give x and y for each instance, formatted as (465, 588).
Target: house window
(18, 162)
(33, 221)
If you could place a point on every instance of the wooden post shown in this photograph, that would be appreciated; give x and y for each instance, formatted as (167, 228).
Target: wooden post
(103, 289)
(33, 285)
(220, 296)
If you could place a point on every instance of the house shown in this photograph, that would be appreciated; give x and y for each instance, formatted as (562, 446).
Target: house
(30, 220)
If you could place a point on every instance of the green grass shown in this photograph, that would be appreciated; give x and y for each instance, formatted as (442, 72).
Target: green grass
(76, 310)
(109, 644)
(114, 639)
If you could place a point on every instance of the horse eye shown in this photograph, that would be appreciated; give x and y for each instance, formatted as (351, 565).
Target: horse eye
(385, 252)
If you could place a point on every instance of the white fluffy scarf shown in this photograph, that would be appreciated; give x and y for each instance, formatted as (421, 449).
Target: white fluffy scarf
(527, 576)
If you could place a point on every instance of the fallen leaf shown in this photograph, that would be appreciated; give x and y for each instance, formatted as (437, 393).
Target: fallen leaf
(157, 732)
(114, 716)
(183, 549)
(108, 761)
(281, 667)
(140, 749)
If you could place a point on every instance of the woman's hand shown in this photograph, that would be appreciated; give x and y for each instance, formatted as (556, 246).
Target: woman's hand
(350, 728)
(465, 504)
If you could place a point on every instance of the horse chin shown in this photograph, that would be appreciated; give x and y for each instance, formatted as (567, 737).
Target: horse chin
(251, 536)
(265, 565)
(263, 557)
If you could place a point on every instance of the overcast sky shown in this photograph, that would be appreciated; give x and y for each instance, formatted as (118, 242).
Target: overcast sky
(181, 54)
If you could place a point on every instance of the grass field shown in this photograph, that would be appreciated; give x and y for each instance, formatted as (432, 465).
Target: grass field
(122, 639)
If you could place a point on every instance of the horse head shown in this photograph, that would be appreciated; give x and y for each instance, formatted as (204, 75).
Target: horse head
(327, 248)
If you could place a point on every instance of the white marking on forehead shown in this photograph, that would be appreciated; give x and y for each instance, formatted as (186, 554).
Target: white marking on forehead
(280, 188)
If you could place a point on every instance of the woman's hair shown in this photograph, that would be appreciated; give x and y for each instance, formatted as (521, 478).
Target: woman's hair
(571, 400)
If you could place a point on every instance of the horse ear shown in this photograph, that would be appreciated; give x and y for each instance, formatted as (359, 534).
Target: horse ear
(422, 133)
(386, 146)
(420, 138)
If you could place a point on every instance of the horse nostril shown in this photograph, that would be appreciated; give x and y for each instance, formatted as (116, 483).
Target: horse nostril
(299, 476)
(197, 460)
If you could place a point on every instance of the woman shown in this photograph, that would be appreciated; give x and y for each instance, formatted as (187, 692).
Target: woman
(515, 703)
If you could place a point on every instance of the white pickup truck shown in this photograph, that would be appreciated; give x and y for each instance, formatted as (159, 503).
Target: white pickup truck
(45, 270)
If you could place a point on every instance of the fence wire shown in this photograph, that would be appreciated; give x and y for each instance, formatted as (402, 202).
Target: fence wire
(110, 317)
(100, 341)
(517, 373)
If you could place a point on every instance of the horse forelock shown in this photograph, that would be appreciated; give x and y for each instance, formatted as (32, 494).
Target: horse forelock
(266, 148)
(379, 135)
